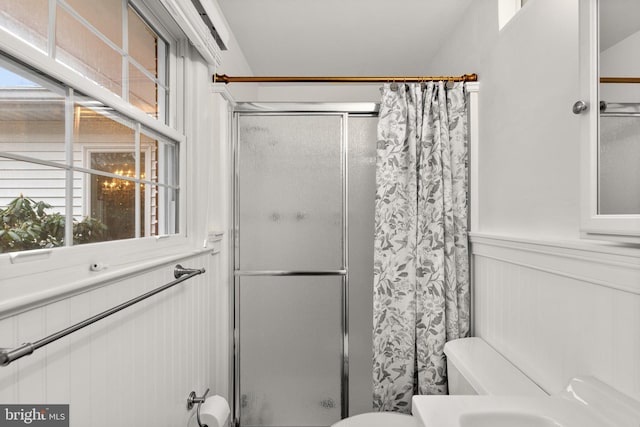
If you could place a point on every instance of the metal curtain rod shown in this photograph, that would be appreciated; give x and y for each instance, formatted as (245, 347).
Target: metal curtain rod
(9, 355)
(619, 79)
(223, 78)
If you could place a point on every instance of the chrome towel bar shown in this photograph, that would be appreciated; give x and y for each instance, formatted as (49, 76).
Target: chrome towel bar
(9, 355)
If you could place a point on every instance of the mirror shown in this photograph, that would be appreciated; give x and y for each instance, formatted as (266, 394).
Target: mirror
(618, 160)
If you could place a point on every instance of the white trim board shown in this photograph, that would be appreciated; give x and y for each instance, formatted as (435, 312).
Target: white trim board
(473, 126)
(600, 264)
(222, 90)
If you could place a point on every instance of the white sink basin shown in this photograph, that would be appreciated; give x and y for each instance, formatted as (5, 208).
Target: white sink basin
(586, 402)
(503, 411)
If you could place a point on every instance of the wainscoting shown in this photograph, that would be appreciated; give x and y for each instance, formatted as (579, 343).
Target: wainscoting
(136, 367)
(559, 310)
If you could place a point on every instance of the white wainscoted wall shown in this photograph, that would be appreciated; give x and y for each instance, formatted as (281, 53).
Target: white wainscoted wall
(135, 367)
(558, 310)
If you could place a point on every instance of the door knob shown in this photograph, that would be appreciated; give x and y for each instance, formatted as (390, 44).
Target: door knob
(580, 107)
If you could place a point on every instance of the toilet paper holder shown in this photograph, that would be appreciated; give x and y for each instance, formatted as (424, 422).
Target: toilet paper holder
(192, 400)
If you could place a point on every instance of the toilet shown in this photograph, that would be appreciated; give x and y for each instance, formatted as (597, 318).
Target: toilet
(473, 367)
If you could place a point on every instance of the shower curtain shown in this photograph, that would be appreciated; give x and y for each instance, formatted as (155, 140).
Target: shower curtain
(421, 277)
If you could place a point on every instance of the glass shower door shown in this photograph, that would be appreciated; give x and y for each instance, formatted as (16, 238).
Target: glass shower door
(290, 269)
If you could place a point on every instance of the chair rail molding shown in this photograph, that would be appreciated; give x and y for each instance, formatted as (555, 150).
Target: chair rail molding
(609, 265)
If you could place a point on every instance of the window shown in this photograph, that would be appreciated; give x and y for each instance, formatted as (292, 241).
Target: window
(68, 159)
(77, 164)
(107, 41)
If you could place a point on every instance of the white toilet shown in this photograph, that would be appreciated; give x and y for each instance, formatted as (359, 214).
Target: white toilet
(472, 368)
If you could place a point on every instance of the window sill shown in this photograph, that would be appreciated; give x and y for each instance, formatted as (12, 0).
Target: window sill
(29, 284)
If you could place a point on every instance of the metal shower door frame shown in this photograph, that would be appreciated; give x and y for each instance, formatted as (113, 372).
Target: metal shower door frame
(342, 110)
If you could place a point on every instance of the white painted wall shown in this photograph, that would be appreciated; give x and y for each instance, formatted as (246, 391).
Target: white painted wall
(235, 64)
(528, 75)
(546, 300)
(319, 92)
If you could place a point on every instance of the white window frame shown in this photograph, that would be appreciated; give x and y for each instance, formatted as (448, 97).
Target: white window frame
(621, 228)
(19, 269)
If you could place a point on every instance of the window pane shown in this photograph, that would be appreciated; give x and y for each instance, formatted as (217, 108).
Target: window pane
(27, 19)
(84, 52)
(149, 146)
(32, 206)
(31, 119)
(149, 210)
(149, 51)
(164, 169)
(167, 210)
(161, 202)
(99, 128)
(121, 163)
(107, 143)
(111, 200)
(168, 164)
(110, 205)
(143, 92)
(105, 15)
(143, 43)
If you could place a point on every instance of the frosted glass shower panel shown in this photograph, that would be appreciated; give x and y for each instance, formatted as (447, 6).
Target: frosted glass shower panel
(619, 166)
(362, 194)
(290, 351)
(290, 192)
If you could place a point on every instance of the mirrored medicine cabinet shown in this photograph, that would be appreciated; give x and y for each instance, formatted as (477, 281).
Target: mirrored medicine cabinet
(610, 109)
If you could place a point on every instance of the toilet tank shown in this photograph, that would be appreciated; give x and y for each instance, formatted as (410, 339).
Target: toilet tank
(473, 367)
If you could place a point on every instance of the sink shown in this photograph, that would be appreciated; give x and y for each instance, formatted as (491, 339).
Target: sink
(586, 402)
(506, 419)
(504, 411)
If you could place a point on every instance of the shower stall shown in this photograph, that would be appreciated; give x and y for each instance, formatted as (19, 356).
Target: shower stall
(304, 190)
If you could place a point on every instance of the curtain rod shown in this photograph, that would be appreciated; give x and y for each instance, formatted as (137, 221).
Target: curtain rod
(619, 79)
(223, 78)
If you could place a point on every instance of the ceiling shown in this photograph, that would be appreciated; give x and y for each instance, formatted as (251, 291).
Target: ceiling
(341, 37)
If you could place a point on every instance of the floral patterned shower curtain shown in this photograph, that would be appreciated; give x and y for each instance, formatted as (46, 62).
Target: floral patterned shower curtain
(421, 277)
